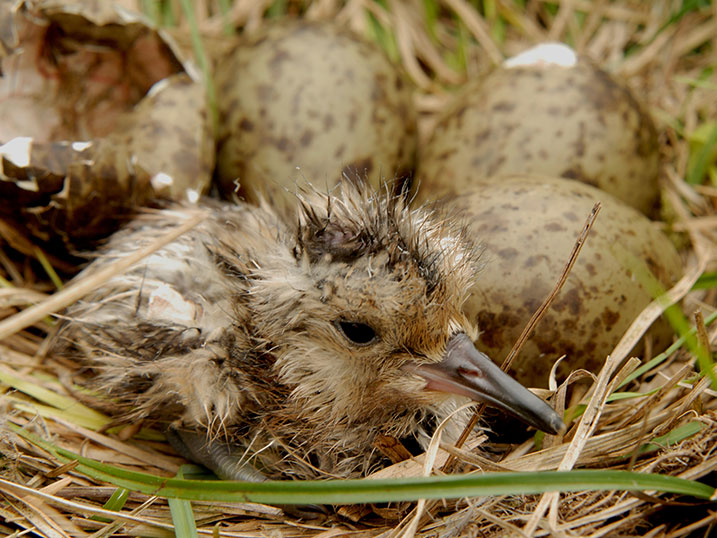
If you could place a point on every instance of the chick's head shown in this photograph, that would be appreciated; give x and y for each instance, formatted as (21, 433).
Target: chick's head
(364, 321)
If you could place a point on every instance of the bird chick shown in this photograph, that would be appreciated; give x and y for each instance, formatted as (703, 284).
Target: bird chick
(270, 349)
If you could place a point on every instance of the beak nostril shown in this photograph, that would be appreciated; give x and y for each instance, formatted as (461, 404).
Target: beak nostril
(465, 372)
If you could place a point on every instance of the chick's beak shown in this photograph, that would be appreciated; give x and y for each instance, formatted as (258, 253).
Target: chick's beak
(466, 371)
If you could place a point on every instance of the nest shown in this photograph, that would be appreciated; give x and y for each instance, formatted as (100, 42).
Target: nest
(666, 53)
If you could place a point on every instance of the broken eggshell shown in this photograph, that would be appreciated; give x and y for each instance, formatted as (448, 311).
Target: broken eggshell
(310, 101)
(527, 227)
(546, 111)
(101, 117)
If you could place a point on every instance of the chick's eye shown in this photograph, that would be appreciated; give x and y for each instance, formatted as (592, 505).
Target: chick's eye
(358, 333)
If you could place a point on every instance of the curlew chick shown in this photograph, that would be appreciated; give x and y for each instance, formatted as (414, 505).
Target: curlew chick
(272, 350)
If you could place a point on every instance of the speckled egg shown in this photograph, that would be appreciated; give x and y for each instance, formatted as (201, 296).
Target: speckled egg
(547, 112)
(311, 101)
(527, 226)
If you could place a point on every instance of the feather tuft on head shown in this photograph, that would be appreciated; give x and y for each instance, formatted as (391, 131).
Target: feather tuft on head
(357, 221)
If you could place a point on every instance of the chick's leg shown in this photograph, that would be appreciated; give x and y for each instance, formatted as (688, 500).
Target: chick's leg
(223, 460)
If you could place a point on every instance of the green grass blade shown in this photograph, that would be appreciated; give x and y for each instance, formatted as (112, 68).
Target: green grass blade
(658, 359)
(672, 312)
(383, 37)
(115, 503)
(53, 399)
(49, 269)
(701, 82)
(702, 158)
(673, 437)
(386, 490)
(615, 396)
(278, 8)
(203, 61)
(185, 525)
(58, 406)
(183, 518)
(151, 10)
(430, 14)
(706, 282)
(686, 7)
(45, 411)
(464, 44)
(224, 7)
(495, 21)
(168, 17)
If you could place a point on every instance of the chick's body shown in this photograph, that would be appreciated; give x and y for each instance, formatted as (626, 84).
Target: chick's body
(286, 347)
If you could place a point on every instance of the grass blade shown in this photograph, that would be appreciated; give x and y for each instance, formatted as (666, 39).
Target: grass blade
(203, 61)
(371, 491)
(115, 503)
(185, 525)
(53, 399)
(49, 269)
(701, 159)
(658, 359)
(706, 281)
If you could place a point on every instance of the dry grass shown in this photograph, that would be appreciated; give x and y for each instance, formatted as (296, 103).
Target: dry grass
(671, 63)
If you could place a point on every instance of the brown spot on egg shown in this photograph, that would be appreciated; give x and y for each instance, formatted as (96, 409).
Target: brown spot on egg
(280, 56)
(306, 137)
(283, 144)
(610, 318)
(503, 106)
(508, 253)
(554, 227)
(569, 301)
(329, 122)
(359, 169)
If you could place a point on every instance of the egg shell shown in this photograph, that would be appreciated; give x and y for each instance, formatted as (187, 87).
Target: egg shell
(71, 194)
(565, 120)
(527, 227)
(311, 101)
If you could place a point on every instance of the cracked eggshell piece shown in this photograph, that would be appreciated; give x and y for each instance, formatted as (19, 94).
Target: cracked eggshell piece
(546, 111)
(527, 227)
(101, 115)
(303, 101)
